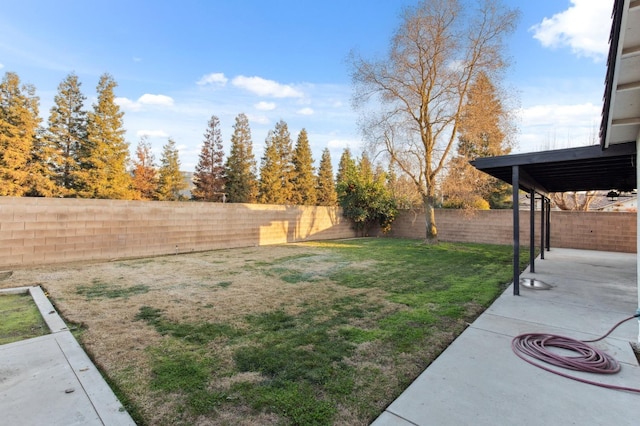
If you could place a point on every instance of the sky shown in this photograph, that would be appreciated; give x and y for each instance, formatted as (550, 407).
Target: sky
(177, 63)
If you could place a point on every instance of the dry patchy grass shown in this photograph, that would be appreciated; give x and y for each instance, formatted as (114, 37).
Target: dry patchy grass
(141, 319)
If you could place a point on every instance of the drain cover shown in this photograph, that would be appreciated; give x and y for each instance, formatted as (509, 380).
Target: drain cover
(534, 284)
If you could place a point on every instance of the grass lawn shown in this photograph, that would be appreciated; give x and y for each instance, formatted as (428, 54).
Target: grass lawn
(312, 333)
(20, 318)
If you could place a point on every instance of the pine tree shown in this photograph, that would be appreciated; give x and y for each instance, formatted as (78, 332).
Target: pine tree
(170, 181)
(270, 183)
(304, 180)
(209, 178)
(41, 181)
(326, 188)
(67, 133)
(18, 129)
(346, 169)
(276, 170)
(240, 169)
(104, 158)
(365, 169)
(145, 175)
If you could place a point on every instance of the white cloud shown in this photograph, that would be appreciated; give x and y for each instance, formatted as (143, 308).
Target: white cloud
(335, 144)
(136, 59)
(216, 78)
(556, 126)
(1, 66)
(264, 87)
(584, 27)
(265, 106)
(162, 100)
(305, 111)
(152, 133)
(557, 115)
(258, 119)
(146, 99)
(127, 104)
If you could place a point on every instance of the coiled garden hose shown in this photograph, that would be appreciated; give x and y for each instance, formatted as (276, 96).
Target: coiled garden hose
(535, 346)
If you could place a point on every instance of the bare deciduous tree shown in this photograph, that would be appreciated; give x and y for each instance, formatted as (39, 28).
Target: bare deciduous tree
(411, 101)
(576, 201)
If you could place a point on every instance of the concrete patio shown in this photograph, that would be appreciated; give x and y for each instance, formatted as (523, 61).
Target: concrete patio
(479, 380)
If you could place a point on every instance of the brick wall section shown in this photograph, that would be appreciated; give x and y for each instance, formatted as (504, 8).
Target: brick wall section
(607, 231)
(36, 231)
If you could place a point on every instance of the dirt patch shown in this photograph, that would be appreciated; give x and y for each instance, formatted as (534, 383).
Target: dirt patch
(103, 300)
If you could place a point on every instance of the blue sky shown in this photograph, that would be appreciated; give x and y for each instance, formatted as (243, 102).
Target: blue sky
(178, 63)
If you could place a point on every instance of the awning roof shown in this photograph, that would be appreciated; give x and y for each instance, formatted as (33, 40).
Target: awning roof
(574, 169)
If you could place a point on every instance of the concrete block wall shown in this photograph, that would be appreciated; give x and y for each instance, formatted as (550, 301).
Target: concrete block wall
(35, 231)
(607, 231)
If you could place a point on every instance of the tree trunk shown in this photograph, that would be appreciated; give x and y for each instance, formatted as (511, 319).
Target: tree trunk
(429, 210)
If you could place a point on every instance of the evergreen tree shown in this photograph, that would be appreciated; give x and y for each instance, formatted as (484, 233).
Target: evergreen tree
(145, 175)
(66, 133)
(18, 130)
(40, 182)
(304, 180)
(209, 178)
(365, 169)
(240, 169)
(104, 158)
(276, 170)
(270, 183)
(346, 168)
(170, 181)
(326, 188)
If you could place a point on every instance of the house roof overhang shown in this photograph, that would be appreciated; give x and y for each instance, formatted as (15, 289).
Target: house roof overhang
(621, 104)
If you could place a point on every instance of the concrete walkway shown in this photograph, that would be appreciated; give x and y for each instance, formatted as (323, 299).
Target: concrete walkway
(479, 380)
(50, 380)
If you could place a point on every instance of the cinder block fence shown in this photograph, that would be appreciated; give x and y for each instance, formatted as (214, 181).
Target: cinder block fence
(606, 231)
(37, 231)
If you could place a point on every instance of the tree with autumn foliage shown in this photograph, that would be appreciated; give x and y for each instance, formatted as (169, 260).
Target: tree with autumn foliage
(171, 181)
(325, 185)
(19, 124)
(485, 130)
(208, 179)
(304, 179)
(240, 168)
(276, 169)
(104, 158)
(66, 134)
(145, 174)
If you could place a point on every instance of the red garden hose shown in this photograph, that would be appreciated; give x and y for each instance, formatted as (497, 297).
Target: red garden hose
(532, 346)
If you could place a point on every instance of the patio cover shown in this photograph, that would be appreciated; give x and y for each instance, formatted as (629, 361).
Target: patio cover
(611, 165)
(575, 169)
